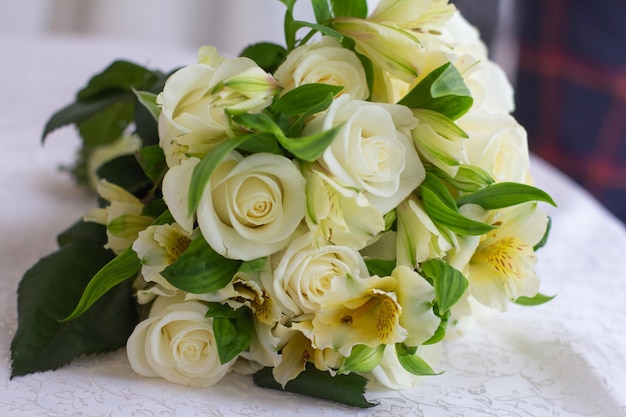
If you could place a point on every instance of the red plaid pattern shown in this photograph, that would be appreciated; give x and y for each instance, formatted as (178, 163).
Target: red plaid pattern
(571, 91)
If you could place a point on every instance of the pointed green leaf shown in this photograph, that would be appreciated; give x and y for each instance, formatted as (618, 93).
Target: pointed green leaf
(440, 333)
(148, 100)
(49, 290)
(321, 9)
(544, 239)
(126, 172)
(413, 363)
(152, 160)
(505, 194)
(344, 389)
(200, 269)
(83, 231)
(362, 359)
(538, 299)
(324, 30)
(126, 265)
(109, 124)
(310, 148)
(224, 310)
(302, 99)
(267, 55)
(120, 75)
(449, 283)
(255, 265)
(380, 267)
(442, 91)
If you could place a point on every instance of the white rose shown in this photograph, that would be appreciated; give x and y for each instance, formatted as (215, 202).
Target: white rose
(304, 272)
(497, 144)
(196, 98)
(251, 206)
(324, 62)
(373, 152)
(177, 343)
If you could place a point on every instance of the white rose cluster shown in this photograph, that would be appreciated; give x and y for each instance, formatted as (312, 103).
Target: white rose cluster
(332, 225)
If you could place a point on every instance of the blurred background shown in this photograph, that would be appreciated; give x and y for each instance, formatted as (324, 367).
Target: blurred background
(566, 59)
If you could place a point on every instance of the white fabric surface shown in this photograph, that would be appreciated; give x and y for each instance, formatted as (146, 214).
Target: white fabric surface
(565, 358)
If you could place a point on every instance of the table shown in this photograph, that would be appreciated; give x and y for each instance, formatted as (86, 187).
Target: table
(564, 358)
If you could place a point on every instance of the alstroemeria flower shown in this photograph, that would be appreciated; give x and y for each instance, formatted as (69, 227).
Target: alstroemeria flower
(339, 214)
(123, 216)
(196, 99)
(502, 267)
(158, 247)
(324, 62)
(414, 14)
(372, 152)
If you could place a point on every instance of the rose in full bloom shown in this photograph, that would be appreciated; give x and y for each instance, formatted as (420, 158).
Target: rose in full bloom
(324, 62)
(177, 343)
(158, 247)
(373, 152)
(196, 99)
(252, 205)
(498, 144)
(304, 271)
(123, 216)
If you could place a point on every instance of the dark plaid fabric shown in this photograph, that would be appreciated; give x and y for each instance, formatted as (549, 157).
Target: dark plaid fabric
(571, 91)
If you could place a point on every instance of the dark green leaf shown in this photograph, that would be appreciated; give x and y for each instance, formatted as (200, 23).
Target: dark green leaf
(200, 269)
(120, 75)
(203, 171)
(151, 159)
(440, 333)
(413, 363)
(154, 208)
(442, 91)
(538, 299)
(233, 335)
(261, 143)
(321, 9)
(324, 30)
(267, 55)
(449, 283)
(505, 194)
(80, 111)
(126, 265)
(109, 124)
(259, 123)
(224, 310)
(380, 267)
(344, 389)
(82, 231)
(302, 99)
(48, 291)
(126, 172)
(353, 8)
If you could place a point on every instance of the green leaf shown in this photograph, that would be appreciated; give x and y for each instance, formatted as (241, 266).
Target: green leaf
(442, 91)
(469, 178)
(324, 30)
(255, 265)
(413, 363)
(344, 389)
(538, 299)
(353, 8)
(224, 310)
(267, 55)
(200, 269)
(505, 194)
(440, 333)
(109, 124)
(48, 291)
(203, 171)
(80, 111)
(310, 148)
(120, 75)
(362, 359)
(81, 231)
(126, 265)
(259, 123)
(261, 143)
(380, 267)
(441, 208)
(449, 283)
(321, 9)
(151, 159)
(233, 335)
(148, 100)
(307, 97)
(126, 172)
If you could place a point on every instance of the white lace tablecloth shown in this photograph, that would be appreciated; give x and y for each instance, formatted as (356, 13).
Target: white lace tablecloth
(564, 358)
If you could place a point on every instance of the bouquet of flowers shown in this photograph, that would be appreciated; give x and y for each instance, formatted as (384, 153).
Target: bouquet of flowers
(315, 214)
